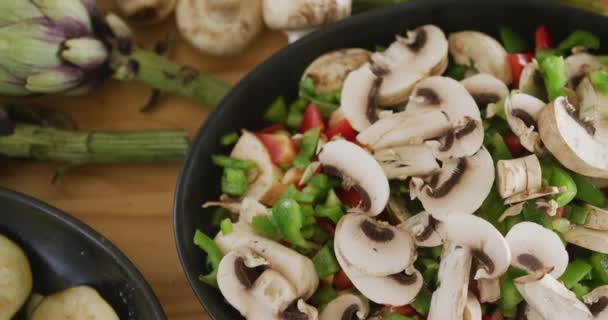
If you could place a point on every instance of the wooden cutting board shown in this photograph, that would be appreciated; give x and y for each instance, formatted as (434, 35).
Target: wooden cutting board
(132, 204)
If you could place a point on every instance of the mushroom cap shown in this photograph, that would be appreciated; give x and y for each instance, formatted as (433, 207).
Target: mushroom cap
(551, 299)
(522, 112)
(358, 169)
(481, 51)
(15, 278)
(145, 11)
(472, 310)
(396, 290)
(298, 269)
(531, 81)
(266, 175)
(404, 128)
(597, 219)
(406, 161)
(427, 231)
(518, 175)
(80, 302)
(597, 300)
(594, 240)
(407, 60)
(465, 136)
(373, 247)
(547, 251)
(346, 306)
(570, 140)
(329, 71)
(485, 89)
(301, 14)
(579, 65)
(483, 239)
(220, 27)
(450, 298)
(359, 97)
(458, 188)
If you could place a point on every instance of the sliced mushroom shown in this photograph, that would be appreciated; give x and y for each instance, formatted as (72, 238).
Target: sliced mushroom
(488, 290)
(396, 290)
(465, 136)
(421, 54)
(472, 310)
(551, 299)
(522, 112)
(549, 207)
(15, 278)
(303, 14)
(145, 11)
(594, 240)
(220, 27)
(266, 175)
(299, 311)
(426, 230)
(597, 300)
(359, 97)
(597, 218)
(406, 161)
(579, 65)
(512, 211)
(450, 298)
(592, 110)
(364, 174)
(531, 81)
(80, 302)
(246, 209)
(487, 245)
(518, 175)
(346, 306)
(397, 211)
(571, 140)
(329, 71)
(251, 287)
(485, 89)
(481, 52)
(458, 188)
(404, 128)
(547, 251)
(373, 247)
(298, 269)
(528, 313)
(534, 194)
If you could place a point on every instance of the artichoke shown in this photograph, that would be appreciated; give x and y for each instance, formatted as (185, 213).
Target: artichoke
(65, 46)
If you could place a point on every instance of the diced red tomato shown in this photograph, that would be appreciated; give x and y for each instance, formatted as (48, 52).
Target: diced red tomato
(350, 197)
(273, 128)
(281, 148)
(514, 145)
(341, 281)
(342, 128)
(518, 62)
(542, 38)
(312, 118)
(327, 226)
(406, 310)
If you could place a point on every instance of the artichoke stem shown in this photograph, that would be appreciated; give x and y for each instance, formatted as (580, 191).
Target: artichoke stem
(76, 148)
(168, 77)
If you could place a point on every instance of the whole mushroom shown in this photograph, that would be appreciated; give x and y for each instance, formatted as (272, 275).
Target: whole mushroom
(80, 302)
(145, 11)
(220, 27)
(15, 278)
(329, 71)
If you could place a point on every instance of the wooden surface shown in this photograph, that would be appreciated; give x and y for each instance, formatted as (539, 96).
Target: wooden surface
(132, 205)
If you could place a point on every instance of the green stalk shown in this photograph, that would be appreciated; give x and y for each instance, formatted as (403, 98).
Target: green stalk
(75, 148)
(167, 76)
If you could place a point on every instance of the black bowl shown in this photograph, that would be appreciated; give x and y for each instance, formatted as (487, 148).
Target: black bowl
(64, 252)
(245, 105)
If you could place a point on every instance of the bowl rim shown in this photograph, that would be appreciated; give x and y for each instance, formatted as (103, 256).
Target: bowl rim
(98, 240)
(238, 89)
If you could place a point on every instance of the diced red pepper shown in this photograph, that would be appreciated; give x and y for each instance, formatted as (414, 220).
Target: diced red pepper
(514, 145)
(559, 213)
(406, 310)
(342, 128)
(327, 226)
(350, 197)
(273, 128)
(518, 61)
(312, 118)
(281, 148)
(542, 38)
(341, 281)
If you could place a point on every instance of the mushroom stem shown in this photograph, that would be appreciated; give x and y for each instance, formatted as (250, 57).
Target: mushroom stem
(168, 77)
(518, 175)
